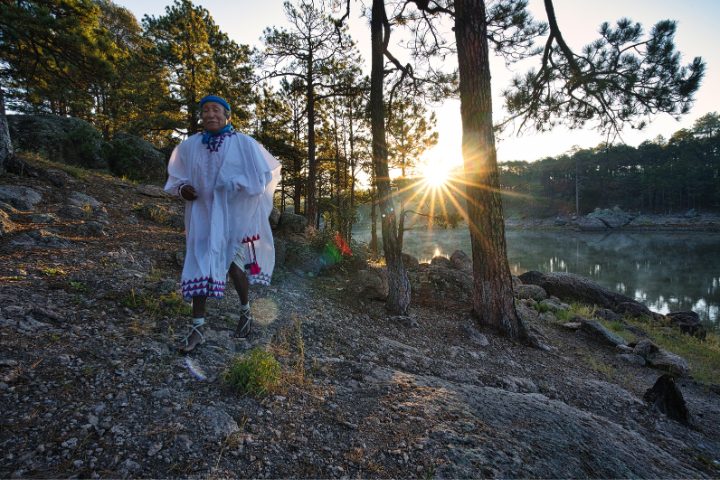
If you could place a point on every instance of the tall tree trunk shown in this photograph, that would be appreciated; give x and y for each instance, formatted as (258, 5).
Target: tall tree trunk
(399, 285)
(6, 148)
(373, 221)
(311, 193)
(493, 301)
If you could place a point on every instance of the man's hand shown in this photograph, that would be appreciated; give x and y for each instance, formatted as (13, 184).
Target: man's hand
(188, 192)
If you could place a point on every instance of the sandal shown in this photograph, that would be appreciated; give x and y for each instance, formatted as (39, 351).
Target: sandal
(244, 325)
(189, 346)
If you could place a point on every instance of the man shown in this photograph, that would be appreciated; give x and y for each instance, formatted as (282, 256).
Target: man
(227, 180)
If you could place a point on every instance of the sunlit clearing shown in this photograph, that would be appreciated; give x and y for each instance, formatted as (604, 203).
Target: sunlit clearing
(436, 173)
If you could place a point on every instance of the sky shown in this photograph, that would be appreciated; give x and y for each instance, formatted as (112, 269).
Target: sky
(579, 20)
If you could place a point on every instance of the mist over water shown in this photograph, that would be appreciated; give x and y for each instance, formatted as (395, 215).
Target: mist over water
(667, 271)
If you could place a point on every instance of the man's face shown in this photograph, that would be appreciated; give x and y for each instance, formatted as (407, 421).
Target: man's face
(213, 116)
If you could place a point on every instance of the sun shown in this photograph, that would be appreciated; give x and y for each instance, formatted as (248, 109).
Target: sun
(435, 173)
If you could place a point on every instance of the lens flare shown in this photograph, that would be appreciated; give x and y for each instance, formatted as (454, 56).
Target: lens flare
(195, 370)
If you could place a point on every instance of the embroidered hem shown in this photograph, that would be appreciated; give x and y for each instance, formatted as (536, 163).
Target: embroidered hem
(203, 287)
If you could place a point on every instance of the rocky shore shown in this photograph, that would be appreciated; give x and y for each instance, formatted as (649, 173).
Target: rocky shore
(606, 220)
(91, 386)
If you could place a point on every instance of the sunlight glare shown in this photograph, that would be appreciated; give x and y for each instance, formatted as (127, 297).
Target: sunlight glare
(436, 173)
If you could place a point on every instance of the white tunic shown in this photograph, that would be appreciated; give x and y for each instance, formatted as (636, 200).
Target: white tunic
(235, 178)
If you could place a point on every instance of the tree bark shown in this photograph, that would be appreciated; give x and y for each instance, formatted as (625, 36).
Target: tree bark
(311, 193)
(493, 301)
(399, 285)
(6, 148)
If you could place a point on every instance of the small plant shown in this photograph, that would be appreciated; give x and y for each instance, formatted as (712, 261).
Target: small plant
(53, 272)
(542, 307)
(257, 373)
(78, 286)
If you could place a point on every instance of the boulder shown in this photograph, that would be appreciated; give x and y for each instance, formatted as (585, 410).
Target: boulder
(409, 262)
(441, 261)
(531, 291)
(645, 348)
(568, 286)
(596, 329)
(82, 200)
(668, 362)
(666, 397)
(22, 198)
(688, 322)
(461, 261)
(587, 224)
(61, 139)
(611, 218)
(371, 284)
(135, 158)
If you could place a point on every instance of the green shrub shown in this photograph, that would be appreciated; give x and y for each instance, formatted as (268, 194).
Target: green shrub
(257, 373)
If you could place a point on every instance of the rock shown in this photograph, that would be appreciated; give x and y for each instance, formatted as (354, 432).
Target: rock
(644, 348)
(669, 362)
(461, 260)
(47, 218)
(666, 397)
(531, 291)
(441, 261)
(39, 238)
(74, 212)
(439, 284)
(82, 200)
(607, 314)
(218, 423)
(291, 223)
(596, 329)
(409, 262)
(404, 320)
(135, 158)
(371, 284)
(57, 177)
(474, 335)
(525, 313)
(572, 325)
(614, 218)
(22, 198)
(688, 322)
(152, 191)
(63, 139)
(554, 304)
(568, 286)
(547, 317)
(91, 229)
(520, 385)
(588, 224)
(631, 358)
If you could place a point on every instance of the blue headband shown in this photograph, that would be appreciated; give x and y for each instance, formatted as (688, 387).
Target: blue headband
(216, 99)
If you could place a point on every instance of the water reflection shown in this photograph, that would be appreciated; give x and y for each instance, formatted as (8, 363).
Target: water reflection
(666, 271)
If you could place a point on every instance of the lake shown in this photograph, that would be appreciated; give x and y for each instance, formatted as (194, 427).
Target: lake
(667, 271)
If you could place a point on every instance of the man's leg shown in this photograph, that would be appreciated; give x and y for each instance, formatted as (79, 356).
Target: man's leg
(242, 286)
(241, 283)
(195, 337)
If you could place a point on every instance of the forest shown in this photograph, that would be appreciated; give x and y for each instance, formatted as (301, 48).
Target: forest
(659, 176)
